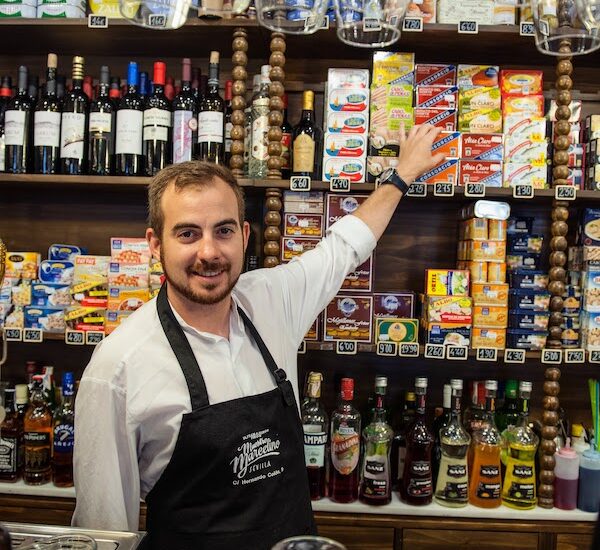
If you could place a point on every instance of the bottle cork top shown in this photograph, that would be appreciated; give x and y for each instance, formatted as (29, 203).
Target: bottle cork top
(52, 61)
(214, 57)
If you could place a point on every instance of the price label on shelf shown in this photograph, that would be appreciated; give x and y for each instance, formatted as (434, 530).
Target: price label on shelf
(371, 24)
(523, 191)
(594, 356)
(457, 353)
(324, 26)
(75, 337)
(574, 355)
(475, 190)
(468, 27)
(417, 190)
(435, 351)
(346, 347)
(33, 335)
(514, 355)
(487, 354)
(409, 350)
(97, 21)
(300, 183)
(527, 28)
(339, 185)
(302, 347)
(94, 337)
(387, 349)
(443, 189)
(412, 24)
(157, 21)
(565, 192)
(552, 356)
(13, 334)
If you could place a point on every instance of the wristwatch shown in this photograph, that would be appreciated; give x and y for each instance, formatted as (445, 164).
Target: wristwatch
(391, 177)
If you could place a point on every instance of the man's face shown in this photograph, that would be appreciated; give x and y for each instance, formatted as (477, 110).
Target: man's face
(202, 244)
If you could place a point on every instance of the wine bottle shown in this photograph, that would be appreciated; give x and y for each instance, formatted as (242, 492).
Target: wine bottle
(102, 129)
(33, 91)
(5, 93)
(130, 117)
(170, 88)
(17, 127)
(88, 87)
(228, 123)
(306, 160)
(196, 83)
(61, 86)
(286, 140)
(257, 163)
(46, 125)
(115, 90)
(211, 123)
(74, 122)
(185, 111)
(144, 88)
(157, 124)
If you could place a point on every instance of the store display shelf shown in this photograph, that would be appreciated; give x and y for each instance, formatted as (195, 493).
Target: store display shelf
(46, 490)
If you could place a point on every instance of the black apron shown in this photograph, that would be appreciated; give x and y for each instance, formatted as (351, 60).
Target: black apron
(237, 478)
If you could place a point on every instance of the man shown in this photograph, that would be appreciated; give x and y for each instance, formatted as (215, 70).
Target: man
(192, 403)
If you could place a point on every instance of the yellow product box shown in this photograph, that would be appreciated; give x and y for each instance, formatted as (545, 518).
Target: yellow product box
(488, 338)
(475, 229)
(490, 316)
(130, 276)
(392, 68)
(90, 280)
(85, 318)
(157, 274)
(504, 14)
(479, 271)
(479, 98)
(486, 251)
(480, 121)
(114, 319)
(448, 309)
(446, 282)
(22, 265)
(476, 75)
(497, 230)
(396, 329)
(525, 106)
(490, 294)
(127, 299)
(496, 272)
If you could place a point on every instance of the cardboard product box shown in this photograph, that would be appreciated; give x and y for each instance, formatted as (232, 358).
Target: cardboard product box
(90, 281)
(392, 68)
(592, 127)
(303, 225)
(428, 74)
(391, 106)
(64, 252)
(61, 11)
(536, 300)
(446, 282)
(593, 177)
(130, 250)
(53, 295)
(127, 299)
(480, 171)
(292, 247)
(347, 100)
(475, 229)
(536, 321)
(525, 244)
(489, 294)
(490, 316)
(576, 177)
(532, 174)
(525, 106)
(344, 146)
(525, 128)
(441, 118)
(486, 251)
(437, 96)
(377, 165)
(354, 169)
(488, 338)
(480, 121)
(526, 339)
(361, 279)
(504, 13)
(590, 331)
(481, 146)
(304, 202)
(497, 230)
(451, 12)
(47, 319)
(14, 318)
(497, 272)
(395, 329)
(478, 270)
(528, 279)
(348, 78)
(517, 150)
(591, 291)
(448, 309)
(56, 272)
(114, 319)
(84, 318)
(21, 293)
(22, 265)
(339, 206)
(448, 143)
(469, 76)
(479, 98)
(394, 304)
(347, 123)
(426, 10)
(450, 334)
(128, 276)
(523, 261)
(349, 318)
(592, 152)
(314, 332)
(446, 172)
(25, 10)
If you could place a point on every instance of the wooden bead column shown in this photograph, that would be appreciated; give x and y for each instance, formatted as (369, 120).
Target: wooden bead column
(272, 225)
(238, 101)
(557, 273)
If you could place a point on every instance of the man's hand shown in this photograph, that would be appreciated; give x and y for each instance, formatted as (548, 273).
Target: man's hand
(415, 152)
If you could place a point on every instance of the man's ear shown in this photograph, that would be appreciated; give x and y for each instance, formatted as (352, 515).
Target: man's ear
(246, 231)
(153, 243)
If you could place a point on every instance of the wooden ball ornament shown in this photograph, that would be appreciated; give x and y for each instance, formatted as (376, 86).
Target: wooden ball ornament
(275, 118)
(564, 82)
(276, 59)
(277, 43)
(272, 233)
(547, 462)
(274, 149)
(277, 74)
(558, 243)
(556, 303)
(563, 112)
(560, 214)
(550, 403)
(238, 87)
(238, 103)
(546, 490)
(556, 288)
(276, 88)
(271, 248)
(562, 142)
(237, 147)
(271, 261)
(274, 161)
(239, 73)
(558, 258)
(559, 228)
(552, 374)
(237, 133)
(238, 118)
(557, 273)
(550, 418)
(237, 161)
(564, 67)
(273, 218)
(275, 133)
(561, 172)
(562, 127)
(555, 332)
(239, 58)
(561, 157)
(276, 103)
(548, 446)
(239, 44)
(563, 97)
(547, 477)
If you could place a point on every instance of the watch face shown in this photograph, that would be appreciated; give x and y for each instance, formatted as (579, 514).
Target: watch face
(387, 174)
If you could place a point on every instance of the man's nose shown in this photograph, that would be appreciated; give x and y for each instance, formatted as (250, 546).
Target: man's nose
(208, 249)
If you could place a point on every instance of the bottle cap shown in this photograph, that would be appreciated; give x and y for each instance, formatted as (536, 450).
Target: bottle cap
(22, 393)
(577, 430)
(52, 61)
(567, 452)
(214, 58)
(132, 73)
(160, 73)
(410, 396)
(525, 386)
(420, 382)
(265, 72)
(22, 79)
(381, 381)
(6, 88)
(104, 75)
(456, 384)
(347, 385)
(491, 385)
(186, 69)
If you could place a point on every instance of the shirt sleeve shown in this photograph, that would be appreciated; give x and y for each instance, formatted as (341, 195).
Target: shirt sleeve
(105, 460)
(310, 281)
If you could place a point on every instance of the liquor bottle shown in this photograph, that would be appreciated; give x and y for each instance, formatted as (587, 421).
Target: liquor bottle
(102, 129)
(144, 85)
(196, 84)
(248, 123)
(474, 415)
(509, 414)
(416, 485)
(440, 422)
(379, 388)
(21, 399)
(61, 86)
(203, 86)
(286, 140)
(211, 117)
(5, 95)
(399, 442)
(307, 140)
(31, 369)
(49, 387)
(157, 125)
(88, 87)
(185, 123)
(315, 426)
(11, 439)
(376, 481)
(115, 90)
(345, 447)
(33, 88)
(74, 125)
(518, 456)
(228, 123)
(64, 433)
(485, 479)
(46, 125)
(38, 437)
(17, 127)
(169, 88)
(130, 117)
(259, 127)
(452, 488)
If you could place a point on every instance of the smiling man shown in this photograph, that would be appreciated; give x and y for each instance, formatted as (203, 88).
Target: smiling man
(192, 403)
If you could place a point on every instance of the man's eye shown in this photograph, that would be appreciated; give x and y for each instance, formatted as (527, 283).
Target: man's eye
(186, 234)
(225, 230)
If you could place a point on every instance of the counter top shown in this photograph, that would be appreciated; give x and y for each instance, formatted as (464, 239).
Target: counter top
(46, 490)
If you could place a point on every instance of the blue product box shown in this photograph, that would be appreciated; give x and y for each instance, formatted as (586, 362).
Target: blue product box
(50, 295)
(589, 234)
(56, 272)
(536, 300)
(64, 252)
(528, 279)
(519, 224)
(524, 244)
(528, 320)
(48, 319)
(525, 339)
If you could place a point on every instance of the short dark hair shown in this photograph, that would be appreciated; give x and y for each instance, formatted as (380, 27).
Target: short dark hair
(183, 175)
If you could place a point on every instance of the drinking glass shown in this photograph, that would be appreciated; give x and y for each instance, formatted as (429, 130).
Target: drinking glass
(291, 16)
(308, 542)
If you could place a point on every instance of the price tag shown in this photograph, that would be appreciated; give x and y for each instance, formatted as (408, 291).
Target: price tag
(487, 354)
(339, 185)
(417, 190)
(594, 356)
(412, 24)
(75, 337)
(300, 183)
(565, 192)
(523, 191)
(457, 353)
(552, 356)
(94, 337)
(97, 21)
(574, 356)
(13, 334)
(475, 190)
(33, 335)
(434, 351)
(324, 23)
(157, 21)
(409, 350)
(371, 24)
(514, 355)
(443, 189)
(387, 349)
(346, 347)
(527, 28)
(544, 27)
(468, 27)
(302, 347)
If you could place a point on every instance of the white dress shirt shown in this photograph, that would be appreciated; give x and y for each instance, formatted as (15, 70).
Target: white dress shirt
(133, 393)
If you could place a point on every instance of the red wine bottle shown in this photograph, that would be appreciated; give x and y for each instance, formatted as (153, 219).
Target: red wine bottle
(46, 125)
(130, 116)
(157, 124)
(102, 129)
(211, 117)
(17, 127)
(5, 94)
(185, 122)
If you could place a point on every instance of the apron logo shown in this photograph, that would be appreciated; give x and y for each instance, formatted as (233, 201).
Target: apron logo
(252, 454)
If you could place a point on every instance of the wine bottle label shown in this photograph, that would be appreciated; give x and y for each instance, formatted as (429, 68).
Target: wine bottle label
(46, 129)
(304, 154)
(14, 127)
(129, 132)
(376, 482)
(64, 438)
(228, 140)
(8, 455)
(100, 123)
(184, 126)
(72, 135)
(156, 124)
(37, 451)
(210, 127)
(286, 142)
(345, 449)
(315, 441)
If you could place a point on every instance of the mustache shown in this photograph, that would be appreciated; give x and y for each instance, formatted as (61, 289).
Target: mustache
(201, 267)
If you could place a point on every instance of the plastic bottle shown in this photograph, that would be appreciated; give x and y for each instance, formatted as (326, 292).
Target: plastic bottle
(578, 443)
(566, 478)
(588, 499)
